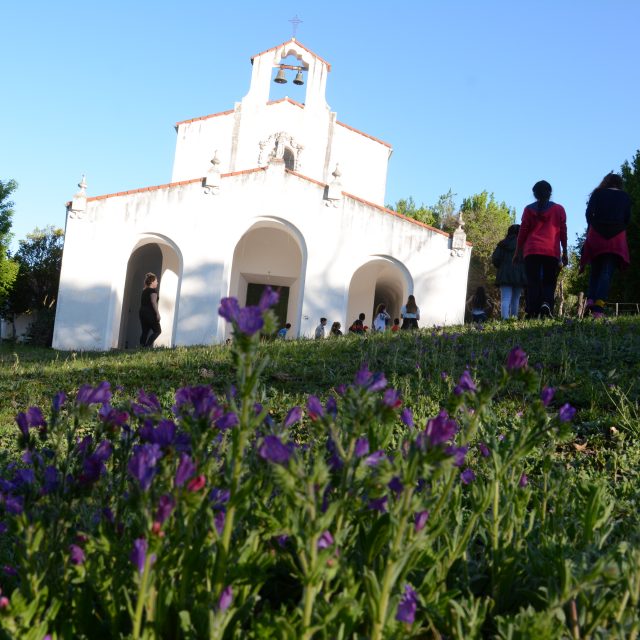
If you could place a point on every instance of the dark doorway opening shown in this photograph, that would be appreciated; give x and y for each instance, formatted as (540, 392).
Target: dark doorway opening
(254, 292)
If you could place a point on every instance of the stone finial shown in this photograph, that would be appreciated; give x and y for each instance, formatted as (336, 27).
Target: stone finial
(459, 239)
(79, 202)
(334, 188)
(211, 181)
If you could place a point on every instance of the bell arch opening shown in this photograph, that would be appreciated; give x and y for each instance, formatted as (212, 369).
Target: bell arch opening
(163, 260)
(378, 281)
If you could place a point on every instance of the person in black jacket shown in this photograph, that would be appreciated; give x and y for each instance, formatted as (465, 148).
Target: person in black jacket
(510, 277)
(149, 313)
(605, 248)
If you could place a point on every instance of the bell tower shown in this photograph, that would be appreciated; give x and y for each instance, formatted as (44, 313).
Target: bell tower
(309, 69)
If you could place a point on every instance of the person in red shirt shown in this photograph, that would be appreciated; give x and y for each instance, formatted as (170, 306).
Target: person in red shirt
(605, 247)
(542, 236)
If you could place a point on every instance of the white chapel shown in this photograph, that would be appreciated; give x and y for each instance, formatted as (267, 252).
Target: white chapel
(272, 192)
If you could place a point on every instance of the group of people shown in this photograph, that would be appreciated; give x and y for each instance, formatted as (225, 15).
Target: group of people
(529, 258)
(532, 253)
(410, 314)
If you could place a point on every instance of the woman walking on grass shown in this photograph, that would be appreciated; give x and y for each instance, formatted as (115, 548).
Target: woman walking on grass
(605, 248)
(510, 277)
(542, 234)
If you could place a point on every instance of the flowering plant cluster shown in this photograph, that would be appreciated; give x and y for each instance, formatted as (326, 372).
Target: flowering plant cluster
(218, 518)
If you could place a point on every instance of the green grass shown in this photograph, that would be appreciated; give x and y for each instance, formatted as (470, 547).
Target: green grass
(589, 362)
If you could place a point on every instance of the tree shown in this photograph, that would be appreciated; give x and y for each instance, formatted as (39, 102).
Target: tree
(407, 207)
(485, 222)
(35, 291)
(8, 267)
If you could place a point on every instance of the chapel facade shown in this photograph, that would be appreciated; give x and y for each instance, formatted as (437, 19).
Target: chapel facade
(271, 192)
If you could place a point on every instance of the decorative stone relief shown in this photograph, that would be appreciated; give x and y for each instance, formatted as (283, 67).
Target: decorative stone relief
(459, 239)
(211, 181)
(78, 207)
(274, 147)
(334, 189)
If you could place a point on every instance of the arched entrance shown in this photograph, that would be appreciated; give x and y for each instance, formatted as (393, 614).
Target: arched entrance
(381, 280)
(271, 253)
(162, 259)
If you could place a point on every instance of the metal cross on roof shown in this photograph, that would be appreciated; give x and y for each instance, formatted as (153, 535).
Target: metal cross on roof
(295, 21)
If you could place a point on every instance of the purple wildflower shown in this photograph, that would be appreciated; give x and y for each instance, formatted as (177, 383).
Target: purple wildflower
(229, 309)
(374, 458)
(406, 415)
(166, 504)
(273, 450)
(458, 454)
(142, 465)
(58, 400)
(94, 395)
(524, 480)
(139, 554)
(378, 382)
(517, 359)
(219, 520)
(186, 469)
(465, 383)
(219, 498)
(111, 416)
(325, 540)
(467, 476)
(335, 461)
(293, 416)
(51, 480)
(378, 504)
(250, 320)
(546, 395)
(407, 606)
(420, 520)
(197, 402)
(314, 408)
(391, 398)
(227, 421)
(14, 504)
(93, 466)
(395, 484)
(332, 406)
(441, 429)
(32, 418)
(484, 450)
(566, 412)
(361, 447)
(226, 598)
(148, 404)
(269, 298)
(76, 554)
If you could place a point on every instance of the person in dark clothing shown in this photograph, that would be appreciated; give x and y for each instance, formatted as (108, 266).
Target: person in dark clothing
(357, 326)
(510, 278)
(605, 247)
(149, 314)
(543, 233)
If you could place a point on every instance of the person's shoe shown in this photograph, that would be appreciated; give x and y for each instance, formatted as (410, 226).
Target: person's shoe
(545, 311)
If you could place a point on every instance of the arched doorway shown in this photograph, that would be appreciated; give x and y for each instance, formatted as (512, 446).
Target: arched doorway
(271, 253)
(162, 259)
(381, 280)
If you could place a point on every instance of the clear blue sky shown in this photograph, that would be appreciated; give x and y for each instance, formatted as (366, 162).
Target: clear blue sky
(472, 94)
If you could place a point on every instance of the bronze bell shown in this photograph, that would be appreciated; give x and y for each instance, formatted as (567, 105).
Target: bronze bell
(280, 78)
(298, 79)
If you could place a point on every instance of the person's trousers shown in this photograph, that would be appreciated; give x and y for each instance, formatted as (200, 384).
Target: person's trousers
(542, 275)
(602, 269)
(510, 300)
(150, 330)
